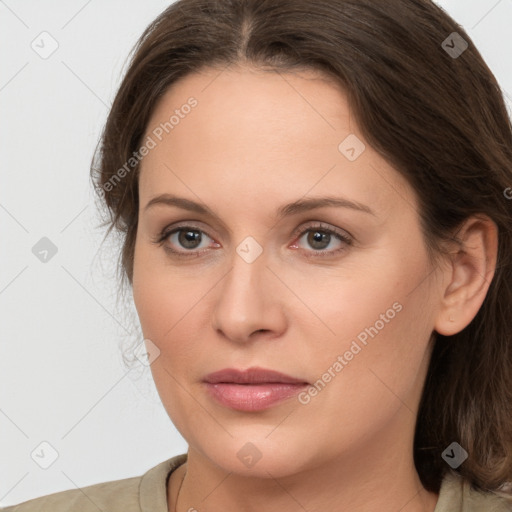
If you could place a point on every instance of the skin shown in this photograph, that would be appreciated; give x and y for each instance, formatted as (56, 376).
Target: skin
(255, 141)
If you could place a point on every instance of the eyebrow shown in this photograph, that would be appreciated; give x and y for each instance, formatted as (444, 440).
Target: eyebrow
(299, 206)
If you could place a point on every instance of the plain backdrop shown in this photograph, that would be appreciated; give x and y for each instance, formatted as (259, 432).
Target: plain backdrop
(67, 400)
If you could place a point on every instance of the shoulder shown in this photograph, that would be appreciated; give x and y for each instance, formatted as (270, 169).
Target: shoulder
(103, 496)
(457, 495)
(136, 494)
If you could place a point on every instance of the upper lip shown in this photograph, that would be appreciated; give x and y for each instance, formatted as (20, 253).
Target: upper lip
(250, 376)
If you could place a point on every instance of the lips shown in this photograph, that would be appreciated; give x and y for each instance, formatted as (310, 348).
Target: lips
(253, 389)
(251, 376)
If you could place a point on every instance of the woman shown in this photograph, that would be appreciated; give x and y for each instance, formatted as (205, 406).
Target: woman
(315, 204)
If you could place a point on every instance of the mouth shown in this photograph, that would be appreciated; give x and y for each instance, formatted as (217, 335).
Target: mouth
(254, 389)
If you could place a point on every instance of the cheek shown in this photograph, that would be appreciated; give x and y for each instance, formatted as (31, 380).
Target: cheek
(166, 306)
(172, 314)
(382, 321)
(161, 297)
(377, 379)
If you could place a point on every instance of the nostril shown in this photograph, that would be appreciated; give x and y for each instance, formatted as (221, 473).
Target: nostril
(262, 330)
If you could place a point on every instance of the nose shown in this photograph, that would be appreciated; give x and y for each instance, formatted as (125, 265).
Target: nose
(248, 303)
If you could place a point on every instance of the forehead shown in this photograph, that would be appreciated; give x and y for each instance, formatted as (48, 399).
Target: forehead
(245, 110)
(272, 133)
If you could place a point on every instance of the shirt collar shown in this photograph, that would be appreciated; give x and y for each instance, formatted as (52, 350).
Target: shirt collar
(153, 485)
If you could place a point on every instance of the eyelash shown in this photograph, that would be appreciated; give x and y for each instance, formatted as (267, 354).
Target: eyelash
(166, 233)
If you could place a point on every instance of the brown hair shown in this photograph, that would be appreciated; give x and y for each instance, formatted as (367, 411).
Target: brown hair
(439, 118)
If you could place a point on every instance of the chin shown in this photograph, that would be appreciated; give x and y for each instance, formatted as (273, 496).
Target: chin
(258, 456)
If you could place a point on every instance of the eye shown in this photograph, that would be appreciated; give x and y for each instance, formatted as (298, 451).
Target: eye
(187, 238)
(319, 237)
(184, 240)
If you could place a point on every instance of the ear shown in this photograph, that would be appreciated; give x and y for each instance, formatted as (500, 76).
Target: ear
(469, 275)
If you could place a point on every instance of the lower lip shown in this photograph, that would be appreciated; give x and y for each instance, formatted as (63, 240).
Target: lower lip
(252, 397)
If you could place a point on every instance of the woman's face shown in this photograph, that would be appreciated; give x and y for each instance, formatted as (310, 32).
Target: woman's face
(265, 273)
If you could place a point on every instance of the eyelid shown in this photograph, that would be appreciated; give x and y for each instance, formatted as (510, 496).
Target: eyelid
(322, 226)
(175, 226)
(167, 231)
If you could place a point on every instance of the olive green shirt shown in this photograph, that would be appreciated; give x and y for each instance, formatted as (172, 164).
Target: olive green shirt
(148, 493)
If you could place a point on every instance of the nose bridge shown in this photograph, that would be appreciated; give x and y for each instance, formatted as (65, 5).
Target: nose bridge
(245, 303)
(244, 282)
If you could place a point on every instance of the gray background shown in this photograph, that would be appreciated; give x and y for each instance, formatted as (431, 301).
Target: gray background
(63, 381)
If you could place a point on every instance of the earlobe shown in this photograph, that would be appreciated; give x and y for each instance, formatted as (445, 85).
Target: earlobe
(469, 275)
